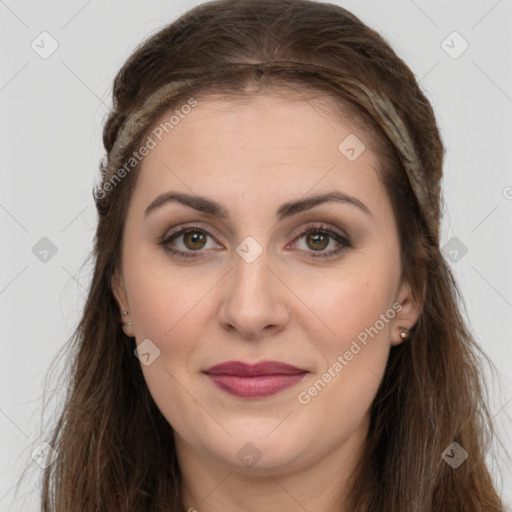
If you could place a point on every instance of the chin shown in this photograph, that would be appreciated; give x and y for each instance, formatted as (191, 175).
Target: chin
(257, 451)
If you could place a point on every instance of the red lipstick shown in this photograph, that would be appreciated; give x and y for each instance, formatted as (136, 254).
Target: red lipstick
(254, 380)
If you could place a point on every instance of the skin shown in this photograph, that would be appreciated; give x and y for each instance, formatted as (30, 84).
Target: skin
(285, 305)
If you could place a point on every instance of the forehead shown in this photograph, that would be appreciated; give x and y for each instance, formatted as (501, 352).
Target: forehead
(258, 145)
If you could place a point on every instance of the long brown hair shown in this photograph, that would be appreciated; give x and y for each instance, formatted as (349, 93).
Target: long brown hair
(115, 449)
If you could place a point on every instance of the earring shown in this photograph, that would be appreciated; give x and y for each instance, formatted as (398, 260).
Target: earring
(404, 335)
(124, 313)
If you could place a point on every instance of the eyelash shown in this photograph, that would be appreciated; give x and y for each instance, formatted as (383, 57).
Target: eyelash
(341, 239)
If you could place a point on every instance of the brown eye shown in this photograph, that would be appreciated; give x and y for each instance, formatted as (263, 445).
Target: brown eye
(189, 242)
(317, 241)
(194, 239)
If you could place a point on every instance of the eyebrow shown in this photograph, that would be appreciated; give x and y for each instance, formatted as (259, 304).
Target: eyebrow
(203, 204)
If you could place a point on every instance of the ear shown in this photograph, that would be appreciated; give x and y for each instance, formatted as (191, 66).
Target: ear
(119, 290)
(407, 314)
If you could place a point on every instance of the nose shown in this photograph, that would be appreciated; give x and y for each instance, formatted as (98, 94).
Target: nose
(253, 303)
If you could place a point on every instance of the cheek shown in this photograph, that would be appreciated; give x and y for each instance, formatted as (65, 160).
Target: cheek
(167, 299)
(171, 313)
(357, 311)
(351, 303)
(354, 353)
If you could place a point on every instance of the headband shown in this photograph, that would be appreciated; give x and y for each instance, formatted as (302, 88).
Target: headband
(139, 120)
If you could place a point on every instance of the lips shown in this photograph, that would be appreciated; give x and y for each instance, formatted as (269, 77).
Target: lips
(254, 380)
(253, 370)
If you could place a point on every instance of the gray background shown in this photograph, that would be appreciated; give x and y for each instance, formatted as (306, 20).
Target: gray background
(52, 110)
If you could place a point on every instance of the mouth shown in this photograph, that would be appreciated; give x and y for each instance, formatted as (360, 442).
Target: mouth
(255, 380)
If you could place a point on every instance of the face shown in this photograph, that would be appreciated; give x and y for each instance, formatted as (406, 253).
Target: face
(258, 271)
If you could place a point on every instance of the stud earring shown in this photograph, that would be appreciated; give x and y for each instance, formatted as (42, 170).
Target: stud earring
(404, 335)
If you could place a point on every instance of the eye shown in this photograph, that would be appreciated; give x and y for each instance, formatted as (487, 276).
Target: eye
(318, 238)
(190, 241)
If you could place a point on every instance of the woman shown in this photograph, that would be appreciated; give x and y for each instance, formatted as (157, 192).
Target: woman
(271, 324)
